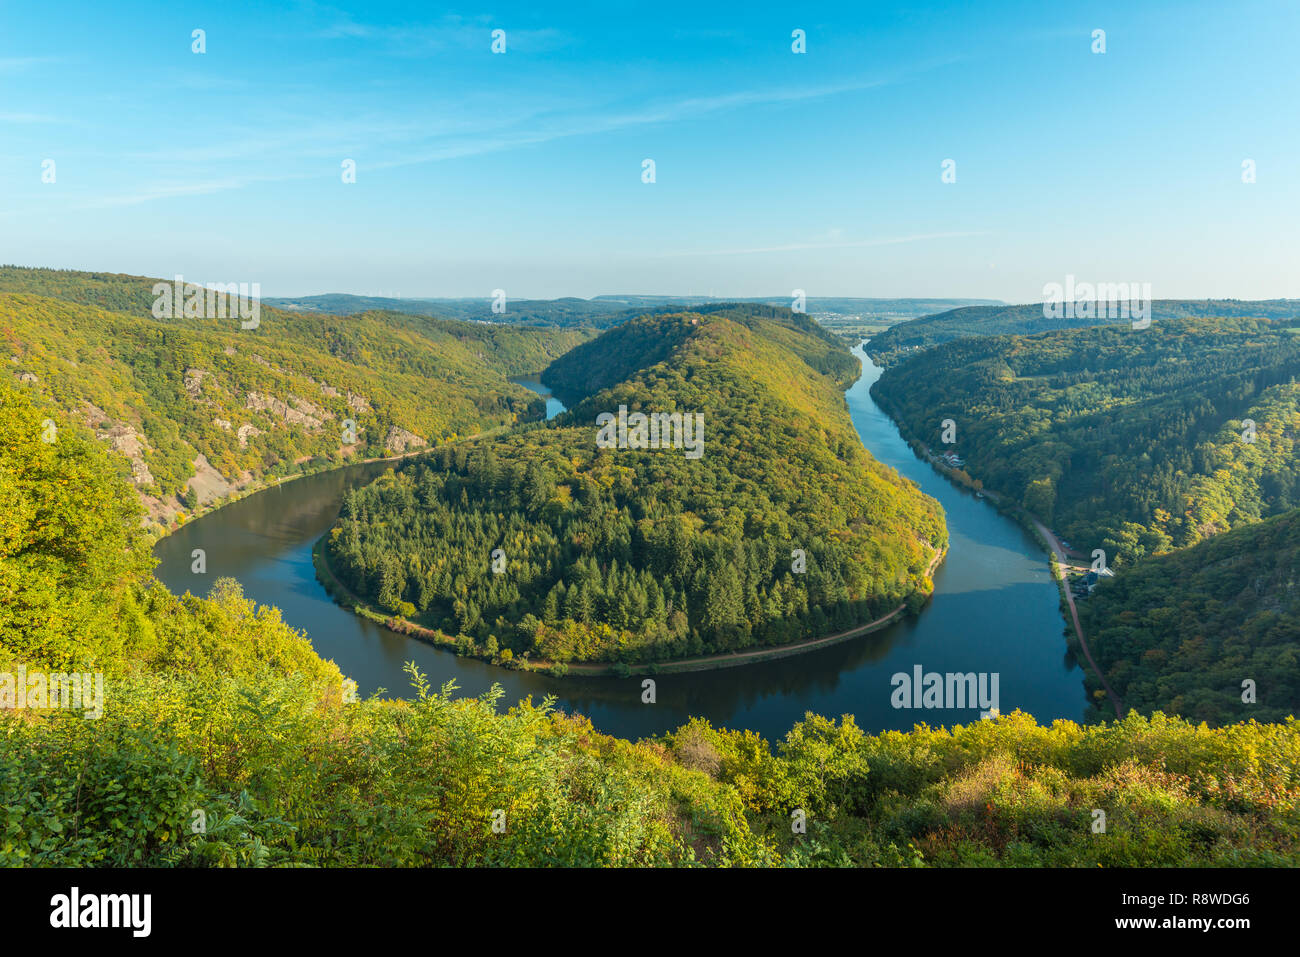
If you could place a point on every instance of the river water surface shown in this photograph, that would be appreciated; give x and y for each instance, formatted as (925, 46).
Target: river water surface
(995, 609)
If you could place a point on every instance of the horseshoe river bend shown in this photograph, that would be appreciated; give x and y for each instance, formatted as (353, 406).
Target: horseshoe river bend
(994, 609)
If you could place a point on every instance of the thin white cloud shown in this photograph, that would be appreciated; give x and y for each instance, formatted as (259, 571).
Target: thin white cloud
(610, 121)
(165, 192)
(13, 64)
(451, 31)
(855, 244)
(488, 131)
(26, 118)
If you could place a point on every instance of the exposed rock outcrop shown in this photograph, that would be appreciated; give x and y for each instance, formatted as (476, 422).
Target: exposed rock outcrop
(194, 382)
(207, 483)
(400, 440)
(281, 409)
(125, 440)
(311, 409)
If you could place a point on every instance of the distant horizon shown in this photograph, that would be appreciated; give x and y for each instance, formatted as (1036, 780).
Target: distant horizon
(750, 299)
(809, 295)
(642, 295)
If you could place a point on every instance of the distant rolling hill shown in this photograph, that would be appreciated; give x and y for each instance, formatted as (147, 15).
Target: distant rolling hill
(890, 309)
(548, 312)
(1028, 318)
(602, 312)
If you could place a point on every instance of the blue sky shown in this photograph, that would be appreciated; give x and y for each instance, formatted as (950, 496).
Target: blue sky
(774, 170)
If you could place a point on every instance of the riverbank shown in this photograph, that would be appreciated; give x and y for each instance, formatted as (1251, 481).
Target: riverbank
(157, 533)
(349, 600)
(1058, 559)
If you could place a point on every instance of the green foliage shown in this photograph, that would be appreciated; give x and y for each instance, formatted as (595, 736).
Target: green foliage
(1181, 632)
(285, 775)
(75, 588)
(70, 544)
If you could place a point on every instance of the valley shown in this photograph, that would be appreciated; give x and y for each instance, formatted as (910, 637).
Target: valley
(268, 719)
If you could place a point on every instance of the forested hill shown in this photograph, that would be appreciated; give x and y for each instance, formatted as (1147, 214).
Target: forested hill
(627, 554)
(199, 408)
(1133, 441)
(624, 351)
(1183, 632)
(895, 343)
(503, 347)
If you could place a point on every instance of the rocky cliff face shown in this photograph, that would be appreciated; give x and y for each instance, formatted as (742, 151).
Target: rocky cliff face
(399, 440)
(292, 414)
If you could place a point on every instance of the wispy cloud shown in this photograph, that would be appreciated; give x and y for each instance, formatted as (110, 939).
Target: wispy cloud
(15, 64)
(853, 244)
(408, 143)
(472, 128)
(595, 122)
(165, 192)
(26, 118)
(451, 31)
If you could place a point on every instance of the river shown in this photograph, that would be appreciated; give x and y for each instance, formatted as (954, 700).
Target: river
(995, 610)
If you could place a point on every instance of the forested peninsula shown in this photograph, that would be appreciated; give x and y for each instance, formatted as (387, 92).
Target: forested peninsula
(543, 545)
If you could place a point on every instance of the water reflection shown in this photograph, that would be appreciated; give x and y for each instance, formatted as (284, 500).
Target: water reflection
(553, 405)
